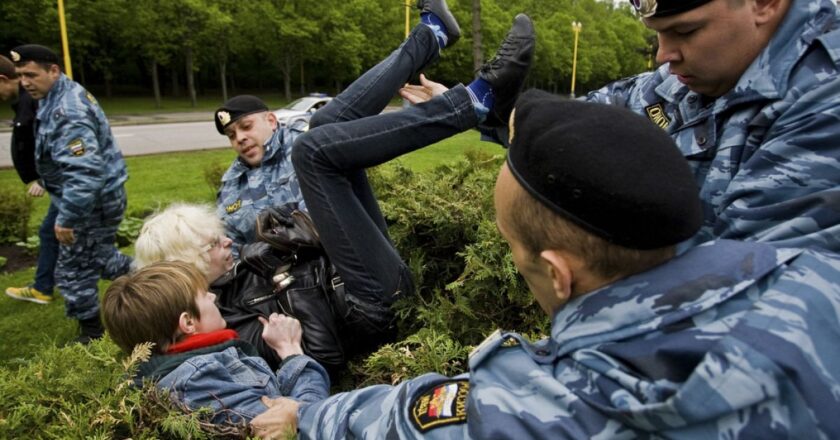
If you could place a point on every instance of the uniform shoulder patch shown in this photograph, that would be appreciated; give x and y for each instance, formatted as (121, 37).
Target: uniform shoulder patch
(91, 98)
(233, 207)
(76, 147)
(441, 405)
(656, 114)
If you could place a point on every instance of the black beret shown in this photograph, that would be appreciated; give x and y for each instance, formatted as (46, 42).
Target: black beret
(235, 108)
(33, 52)
(664, 8)
(605, 168)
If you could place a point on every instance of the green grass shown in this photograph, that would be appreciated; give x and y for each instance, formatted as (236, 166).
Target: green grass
(155, 181)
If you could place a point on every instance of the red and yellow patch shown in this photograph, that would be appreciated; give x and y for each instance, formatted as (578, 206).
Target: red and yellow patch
(442, 405)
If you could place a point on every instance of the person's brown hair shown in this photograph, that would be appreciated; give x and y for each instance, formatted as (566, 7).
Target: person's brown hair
(7, 68)
(146, 305)
(539, 229)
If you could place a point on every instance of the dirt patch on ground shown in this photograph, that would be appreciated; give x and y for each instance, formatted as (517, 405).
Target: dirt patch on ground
(16, 258)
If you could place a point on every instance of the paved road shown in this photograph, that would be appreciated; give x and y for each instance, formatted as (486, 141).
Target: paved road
(135, 140)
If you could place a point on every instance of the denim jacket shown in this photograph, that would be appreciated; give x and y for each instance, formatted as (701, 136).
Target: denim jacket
(230, 379)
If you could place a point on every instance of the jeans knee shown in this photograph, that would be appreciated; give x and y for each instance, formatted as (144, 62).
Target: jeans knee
(304, 152)
(318, 119)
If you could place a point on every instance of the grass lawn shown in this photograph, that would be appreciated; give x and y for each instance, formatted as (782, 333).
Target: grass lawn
(155, 181)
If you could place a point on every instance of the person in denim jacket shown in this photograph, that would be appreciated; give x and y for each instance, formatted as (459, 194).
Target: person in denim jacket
(195, 356)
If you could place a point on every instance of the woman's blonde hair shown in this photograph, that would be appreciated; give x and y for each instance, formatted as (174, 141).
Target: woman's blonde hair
(180, 232)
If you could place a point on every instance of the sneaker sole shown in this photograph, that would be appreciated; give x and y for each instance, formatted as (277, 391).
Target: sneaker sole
(20, 298)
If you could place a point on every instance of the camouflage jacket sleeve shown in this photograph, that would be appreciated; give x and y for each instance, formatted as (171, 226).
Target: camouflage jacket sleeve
(73, 147)
(766, 154)
(430, 406)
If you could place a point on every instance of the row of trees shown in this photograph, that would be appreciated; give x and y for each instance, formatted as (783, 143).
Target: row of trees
(296, 45)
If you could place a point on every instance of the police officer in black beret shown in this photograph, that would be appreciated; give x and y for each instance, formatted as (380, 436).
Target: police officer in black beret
(262, 174)
(23, 158)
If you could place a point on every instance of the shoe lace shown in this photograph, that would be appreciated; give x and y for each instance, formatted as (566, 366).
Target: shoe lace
(507, 49)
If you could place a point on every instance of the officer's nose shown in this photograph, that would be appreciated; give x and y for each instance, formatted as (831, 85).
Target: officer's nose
(668, 52)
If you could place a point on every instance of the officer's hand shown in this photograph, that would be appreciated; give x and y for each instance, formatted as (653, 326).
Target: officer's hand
(260, 259)
(64, 235)
(278, 421)
(35, 189)
(425, 91)
(283, 334)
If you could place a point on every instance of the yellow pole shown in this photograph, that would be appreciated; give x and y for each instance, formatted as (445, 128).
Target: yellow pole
(576, 27)
(407, 17)
(65, 46)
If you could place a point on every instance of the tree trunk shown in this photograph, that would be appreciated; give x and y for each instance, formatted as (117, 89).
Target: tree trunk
(223, 74)
(478, 59)
(302, 87)
(176, 88)
(188, 60)
(80, 67)
(287, 76)
(155, 83)
(108, 89)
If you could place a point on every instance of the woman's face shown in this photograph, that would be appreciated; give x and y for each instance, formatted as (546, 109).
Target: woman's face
(221, 258)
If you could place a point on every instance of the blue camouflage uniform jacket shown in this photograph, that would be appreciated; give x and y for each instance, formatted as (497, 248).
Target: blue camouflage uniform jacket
(247, 191)
(767, 154)
(728, 340)
(75, 152)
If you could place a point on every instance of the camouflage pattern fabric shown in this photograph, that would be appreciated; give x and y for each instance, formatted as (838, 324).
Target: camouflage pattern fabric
(729, 340)
(92, 255)
(84, 173)
(767, 154)
(246, 191)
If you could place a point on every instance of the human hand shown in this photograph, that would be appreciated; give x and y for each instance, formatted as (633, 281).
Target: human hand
(64, 235)
(278, 421)
(282, 333)
(427, 90)
(35, 190)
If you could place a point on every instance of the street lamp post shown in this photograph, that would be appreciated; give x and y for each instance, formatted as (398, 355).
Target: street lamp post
(407, 16)
(576, 27)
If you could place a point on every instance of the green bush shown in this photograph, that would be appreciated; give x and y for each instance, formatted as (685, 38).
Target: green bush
(15, 210)
(443, 224)
(213, 175)
(85, 392)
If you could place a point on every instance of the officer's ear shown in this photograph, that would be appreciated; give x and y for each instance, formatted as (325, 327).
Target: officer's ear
(768, 11)
(272, 120)
(560, 268)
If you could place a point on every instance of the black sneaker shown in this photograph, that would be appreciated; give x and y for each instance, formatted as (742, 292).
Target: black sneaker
(91, 329)
(507, 70)
(439, 8)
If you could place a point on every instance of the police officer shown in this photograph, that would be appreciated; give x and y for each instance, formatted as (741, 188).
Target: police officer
(748, 89)
(727, 339)
(84, 173)
(262, 174)
(23, 158)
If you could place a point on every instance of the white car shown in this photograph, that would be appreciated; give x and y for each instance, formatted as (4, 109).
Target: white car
(301, 108)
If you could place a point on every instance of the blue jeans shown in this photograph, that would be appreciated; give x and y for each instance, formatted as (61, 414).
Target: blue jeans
(349, 135)
(47, 253)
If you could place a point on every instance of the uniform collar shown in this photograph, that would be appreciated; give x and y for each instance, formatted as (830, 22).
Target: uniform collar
(54, 95)
(683, 287)
(272, 149)
(768, 76)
